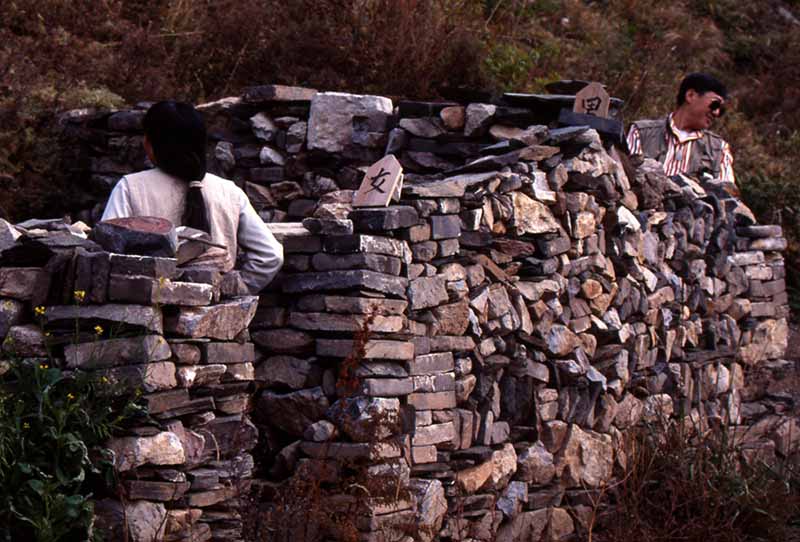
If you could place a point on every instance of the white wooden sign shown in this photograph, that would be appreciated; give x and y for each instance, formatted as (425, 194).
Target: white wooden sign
(592, 100)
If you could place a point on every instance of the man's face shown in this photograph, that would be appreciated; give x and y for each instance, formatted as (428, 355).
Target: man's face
(703, 108)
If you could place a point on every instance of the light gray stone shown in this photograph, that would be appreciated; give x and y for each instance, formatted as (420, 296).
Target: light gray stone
(134, 521)
(478, 119)
(330, 125)
(115, 352)
(263, 127)
(586, 458)
(535, 465)
(431, 508)
(321, 431)
(531, 216)
(366, 419)
(164, 448)
(561, 341)
(223, 321)
(426, 292)
(199, 375)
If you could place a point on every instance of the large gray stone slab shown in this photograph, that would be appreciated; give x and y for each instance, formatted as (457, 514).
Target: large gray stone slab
(294, 412)
(115, 352)
(150, 291)
(149, 318)
(345, 280)
(145, 236)
(21, 282)
(330, 124)
(223, 321)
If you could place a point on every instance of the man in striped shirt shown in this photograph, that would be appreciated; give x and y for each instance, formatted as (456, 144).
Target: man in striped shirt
(682, 141)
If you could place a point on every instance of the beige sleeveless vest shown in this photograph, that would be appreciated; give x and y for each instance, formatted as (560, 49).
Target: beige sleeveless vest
(706, 151)
(155, 193)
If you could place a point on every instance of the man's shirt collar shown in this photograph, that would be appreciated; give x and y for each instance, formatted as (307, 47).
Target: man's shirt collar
(681, 135)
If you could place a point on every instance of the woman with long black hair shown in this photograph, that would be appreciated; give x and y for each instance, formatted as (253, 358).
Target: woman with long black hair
(180, 190)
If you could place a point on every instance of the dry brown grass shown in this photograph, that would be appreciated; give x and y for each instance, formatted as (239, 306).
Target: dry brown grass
(681, 486)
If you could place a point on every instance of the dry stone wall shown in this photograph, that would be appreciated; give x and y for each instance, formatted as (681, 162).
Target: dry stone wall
(460, 365)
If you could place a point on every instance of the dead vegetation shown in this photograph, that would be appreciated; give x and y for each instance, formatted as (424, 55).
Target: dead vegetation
(685, 485)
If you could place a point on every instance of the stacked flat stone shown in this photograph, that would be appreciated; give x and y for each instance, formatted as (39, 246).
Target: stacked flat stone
(142, 325)
(527, 302)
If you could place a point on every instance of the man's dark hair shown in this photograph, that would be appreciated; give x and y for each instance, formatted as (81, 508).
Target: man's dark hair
(177, 133)
(700, 83)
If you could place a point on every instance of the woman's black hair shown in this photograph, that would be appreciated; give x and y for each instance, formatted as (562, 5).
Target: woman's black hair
(177, 133)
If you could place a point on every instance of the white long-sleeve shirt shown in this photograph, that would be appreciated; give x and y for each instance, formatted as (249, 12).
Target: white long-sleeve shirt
(234, 223)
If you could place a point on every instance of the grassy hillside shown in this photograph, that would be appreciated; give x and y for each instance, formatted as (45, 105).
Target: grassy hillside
(57, 54)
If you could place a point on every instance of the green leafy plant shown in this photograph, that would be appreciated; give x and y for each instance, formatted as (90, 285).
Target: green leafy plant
(53, 425)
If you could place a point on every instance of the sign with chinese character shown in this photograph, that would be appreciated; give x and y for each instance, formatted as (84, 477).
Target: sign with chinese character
(592, 100)
(381, 183)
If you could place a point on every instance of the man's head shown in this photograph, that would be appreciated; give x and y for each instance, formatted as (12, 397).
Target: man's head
(701, 98)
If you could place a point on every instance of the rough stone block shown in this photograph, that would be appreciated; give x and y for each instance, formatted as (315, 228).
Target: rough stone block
(426, 292)
(387, 387)
(433, 434)
(115, 352)
(352, 305)
(330, 124)
(445, 227)
(228, 352)
(433, 401)
(373, 349)
(150, 377)
(284, 341)
(321, 321)
(149, 318)
(149, 291)
(123, 264)
(384, 218)
(22, 282)
(374, 262)
(223, 321)
(431, 364)
(345, 280)
(423, 454)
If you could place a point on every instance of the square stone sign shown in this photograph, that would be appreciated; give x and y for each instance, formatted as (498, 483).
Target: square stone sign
(592, 100)
(380, 184)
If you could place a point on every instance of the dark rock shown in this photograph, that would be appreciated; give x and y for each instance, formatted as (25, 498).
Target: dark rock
(293, 412)
(344, 280)
(384, 218)
(145, 236)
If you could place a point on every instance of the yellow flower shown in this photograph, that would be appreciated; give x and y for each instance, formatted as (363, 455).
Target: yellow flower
(44, 366)
(71, 396)
(39, 311)
(79, 295)
(46, 333)
(98, 330)
(26, 425)
(104, 380)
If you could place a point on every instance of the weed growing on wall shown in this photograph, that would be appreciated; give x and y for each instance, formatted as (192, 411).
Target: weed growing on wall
(52, 428)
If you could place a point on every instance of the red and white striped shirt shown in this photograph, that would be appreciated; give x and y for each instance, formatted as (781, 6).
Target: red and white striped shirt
(679, 149)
